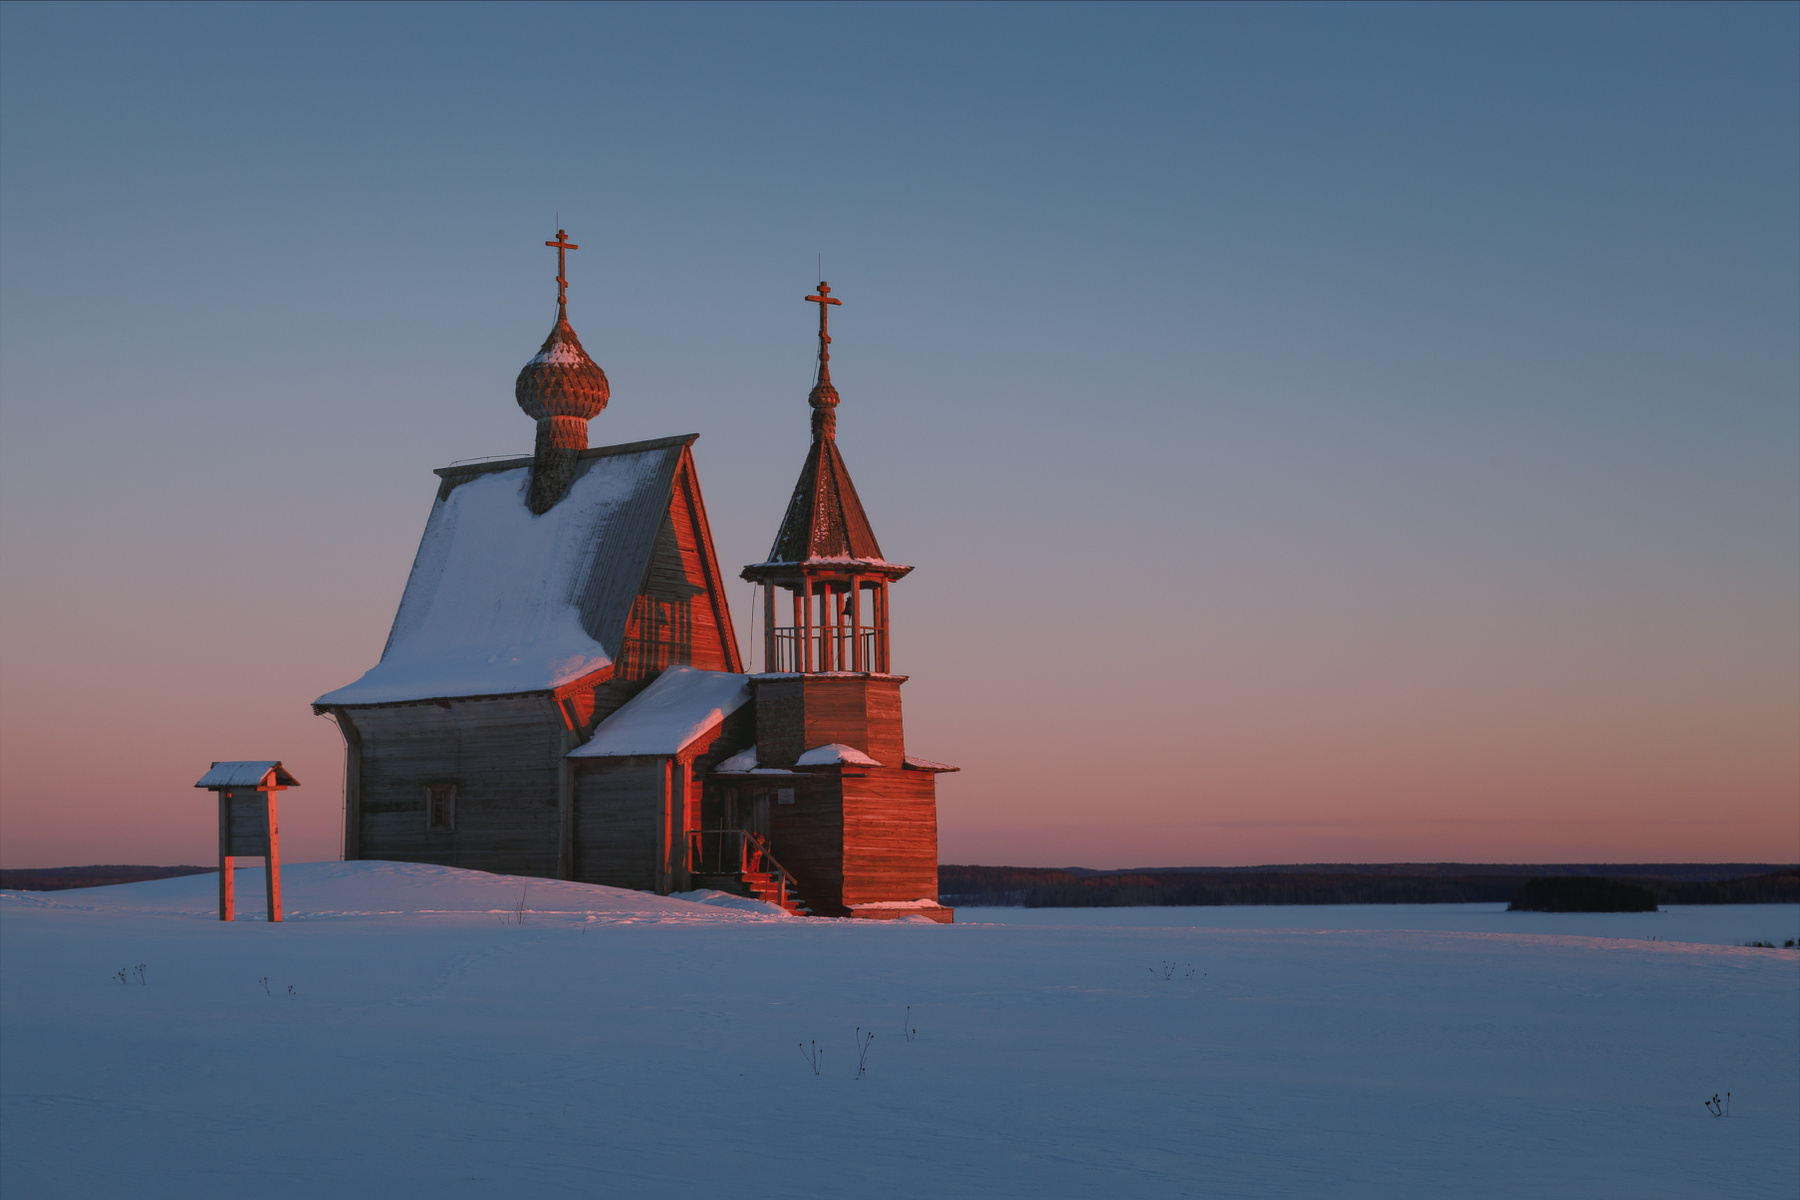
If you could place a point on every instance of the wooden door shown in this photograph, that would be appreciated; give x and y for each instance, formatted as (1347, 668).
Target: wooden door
(759, 815)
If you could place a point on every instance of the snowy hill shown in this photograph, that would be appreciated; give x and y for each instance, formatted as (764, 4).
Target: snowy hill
(327, 890)
(411, 1032)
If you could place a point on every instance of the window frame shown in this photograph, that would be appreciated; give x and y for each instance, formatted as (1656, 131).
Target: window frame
(440, 802)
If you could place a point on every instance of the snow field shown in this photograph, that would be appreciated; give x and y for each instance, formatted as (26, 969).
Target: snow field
(630, 1045)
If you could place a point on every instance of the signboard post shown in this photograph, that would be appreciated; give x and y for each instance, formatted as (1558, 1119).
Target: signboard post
(248, 825)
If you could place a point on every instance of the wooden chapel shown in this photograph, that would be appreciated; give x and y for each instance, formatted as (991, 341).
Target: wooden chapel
(562, 694)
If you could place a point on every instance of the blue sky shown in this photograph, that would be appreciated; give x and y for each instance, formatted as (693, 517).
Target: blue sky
(1323, 432)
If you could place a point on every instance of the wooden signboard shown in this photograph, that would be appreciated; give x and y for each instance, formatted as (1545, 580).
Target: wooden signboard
(248, 825)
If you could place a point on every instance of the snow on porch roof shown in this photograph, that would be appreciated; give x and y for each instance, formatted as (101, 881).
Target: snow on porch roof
(666, 717)
(834, 755)
(501, 601)
(245, 774)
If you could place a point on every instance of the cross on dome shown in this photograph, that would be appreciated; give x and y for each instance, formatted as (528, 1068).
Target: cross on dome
(563, 245)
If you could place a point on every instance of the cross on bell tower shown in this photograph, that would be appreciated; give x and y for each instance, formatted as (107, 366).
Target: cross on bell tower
(823, 299)
(824, 397)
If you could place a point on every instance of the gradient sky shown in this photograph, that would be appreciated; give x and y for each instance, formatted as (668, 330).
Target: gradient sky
(1322, 433)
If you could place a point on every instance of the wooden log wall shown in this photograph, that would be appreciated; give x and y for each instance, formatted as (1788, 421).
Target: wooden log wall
(504, 756)
(798, 713)
(619, 817)
(890, 836)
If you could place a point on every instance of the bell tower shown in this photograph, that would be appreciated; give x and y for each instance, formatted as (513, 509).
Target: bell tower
(833, 618)
(848, 813)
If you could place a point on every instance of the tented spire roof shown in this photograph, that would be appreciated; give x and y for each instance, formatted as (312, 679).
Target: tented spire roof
(825, 518)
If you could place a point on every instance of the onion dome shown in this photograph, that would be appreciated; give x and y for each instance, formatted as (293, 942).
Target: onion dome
(824, 401)
(562, 381)
(563, 389)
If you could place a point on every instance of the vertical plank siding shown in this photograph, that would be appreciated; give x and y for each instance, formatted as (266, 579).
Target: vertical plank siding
(249, 821)
(695, 532)
(707, 649)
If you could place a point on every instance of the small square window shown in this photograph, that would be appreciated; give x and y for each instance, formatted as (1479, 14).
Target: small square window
(440, 807)
(784, 795)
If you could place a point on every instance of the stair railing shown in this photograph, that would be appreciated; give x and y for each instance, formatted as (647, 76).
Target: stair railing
(737, 852)
(774, 868)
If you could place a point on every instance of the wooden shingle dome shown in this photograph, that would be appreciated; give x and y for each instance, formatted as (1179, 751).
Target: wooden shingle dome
(562, 382)
(562, 389)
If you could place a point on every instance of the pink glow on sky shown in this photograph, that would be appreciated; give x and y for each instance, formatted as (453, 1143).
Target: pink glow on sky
(1321, 434)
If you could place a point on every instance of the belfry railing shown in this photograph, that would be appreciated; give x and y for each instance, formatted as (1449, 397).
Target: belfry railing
(830, 649)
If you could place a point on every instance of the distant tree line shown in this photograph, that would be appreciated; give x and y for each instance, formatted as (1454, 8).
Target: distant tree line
(1049, 887)
(1347, 883)
(1576, 893)
(55, 879)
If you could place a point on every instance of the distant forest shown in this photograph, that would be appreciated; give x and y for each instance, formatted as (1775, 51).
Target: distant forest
(1352, 883)
(1311, 883)
(55, 879)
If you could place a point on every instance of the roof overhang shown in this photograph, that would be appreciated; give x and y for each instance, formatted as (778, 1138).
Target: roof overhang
(795, 574)
(592, 679)
(264, 774)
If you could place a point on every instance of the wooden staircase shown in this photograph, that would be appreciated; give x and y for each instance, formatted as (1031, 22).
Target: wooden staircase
(768, 887)
(738, 861)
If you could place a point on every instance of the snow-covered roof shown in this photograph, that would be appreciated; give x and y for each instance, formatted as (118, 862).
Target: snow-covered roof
(836, 754)
(245, 773)
(744, 763)
(743, 760)
(667, 716)
(501, 601)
